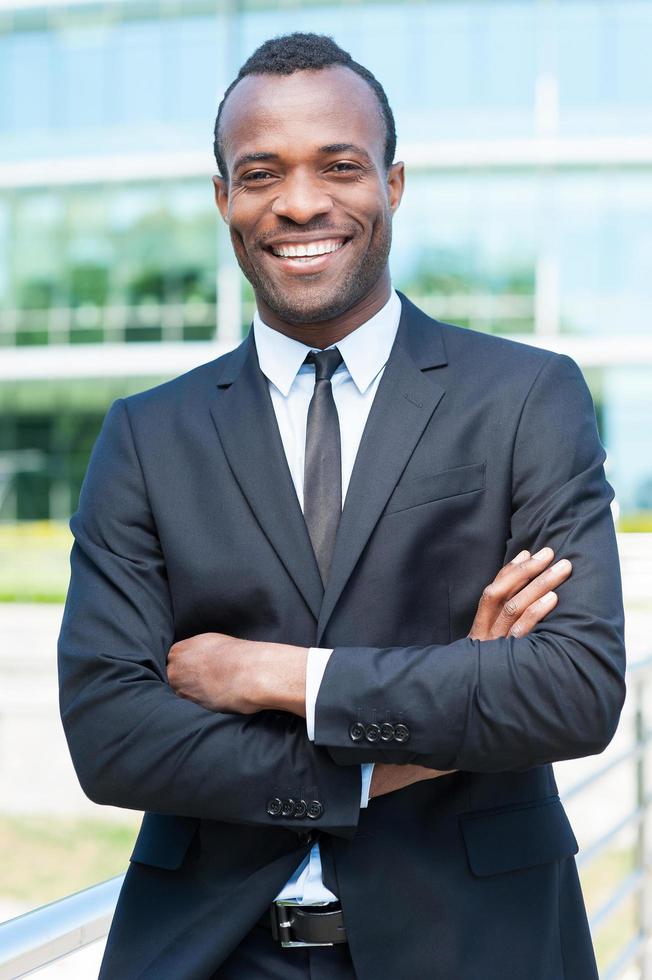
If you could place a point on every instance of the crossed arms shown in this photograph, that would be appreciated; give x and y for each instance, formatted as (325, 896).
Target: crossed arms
(224, 673)
(483, 705)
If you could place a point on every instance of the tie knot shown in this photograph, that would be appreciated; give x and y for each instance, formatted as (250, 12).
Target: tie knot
(326, 363)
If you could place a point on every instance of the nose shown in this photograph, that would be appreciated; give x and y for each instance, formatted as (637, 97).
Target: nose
(302, 198)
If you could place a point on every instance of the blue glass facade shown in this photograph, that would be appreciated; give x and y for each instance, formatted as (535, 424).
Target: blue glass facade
(100, 77)
(528, 208)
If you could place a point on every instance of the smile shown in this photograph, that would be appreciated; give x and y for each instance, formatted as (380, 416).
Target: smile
(308, 250)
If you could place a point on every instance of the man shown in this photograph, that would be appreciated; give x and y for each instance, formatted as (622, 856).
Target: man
(410, 826)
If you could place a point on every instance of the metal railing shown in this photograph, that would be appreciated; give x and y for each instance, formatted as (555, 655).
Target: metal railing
(42, 936)
(637, 881)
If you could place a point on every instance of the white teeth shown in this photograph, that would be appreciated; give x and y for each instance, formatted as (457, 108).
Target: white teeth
(307, 251)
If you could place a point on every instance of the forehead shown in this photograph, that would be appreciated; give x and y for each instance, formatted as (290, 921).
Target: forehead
(296, 113)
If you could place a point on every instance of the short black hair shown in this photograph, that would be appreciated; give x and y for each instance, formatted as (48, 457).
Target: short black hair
(305, 52)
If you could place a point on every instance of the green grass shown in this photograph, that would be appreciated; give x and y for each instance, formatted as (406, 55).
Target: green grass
(34, 561)
(45, 858)
(599, 881)
(635, 521)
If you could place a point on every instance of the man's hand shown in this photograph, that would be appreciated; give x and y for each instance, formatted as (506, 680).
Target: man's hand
(519, 596)
(223, 673)
(387, 778)
(507, 607)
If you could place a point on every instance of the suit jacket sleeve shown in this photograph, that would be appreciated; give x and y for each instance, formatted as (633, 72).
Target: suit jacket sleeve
(135, 743)
(511, 703)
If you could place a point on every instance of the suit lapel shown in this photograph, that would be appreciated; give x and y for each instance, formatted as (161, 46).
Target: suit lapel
(244, 417)
(403, 405)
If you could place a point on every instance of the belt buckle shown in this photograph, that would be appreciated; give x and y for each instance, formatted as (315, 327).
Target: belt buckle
(281, 926)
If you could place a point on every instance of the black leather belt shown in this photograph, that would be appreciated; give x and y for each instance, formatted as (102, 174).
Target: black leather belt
(305, 925)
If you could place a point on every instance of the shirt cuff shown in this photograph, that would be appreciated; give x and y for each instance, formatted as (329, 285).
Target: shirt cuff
(315, 667)
(367, 772)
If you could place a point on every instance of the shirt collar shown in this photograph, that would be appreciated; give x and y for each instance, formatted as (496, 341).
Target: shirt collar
(364, 351)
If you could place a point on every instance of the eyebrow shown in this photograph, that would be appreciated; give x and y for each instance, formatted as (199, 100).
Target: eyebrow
(345, 148)
(254, 158)
(263, 156)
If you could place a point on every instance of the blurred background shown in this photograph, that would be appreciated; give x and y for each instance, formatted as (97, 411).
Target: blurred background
(525, 127)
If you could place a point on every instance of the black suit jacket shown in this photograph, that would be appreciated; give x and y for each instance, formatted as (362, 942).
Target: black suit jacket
(475, 448)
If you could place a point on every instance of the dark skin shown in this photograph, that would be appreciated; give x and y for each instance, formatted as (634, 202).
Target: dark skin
(319, 143)
(304, 155)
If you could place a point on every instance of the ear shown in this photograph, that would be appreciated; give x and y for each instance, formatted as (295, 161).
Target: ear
(395, 184)
(221, 195)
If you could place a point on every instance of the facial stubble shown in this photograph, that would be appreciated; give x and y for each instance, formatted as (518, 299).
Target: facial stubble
(303, 304)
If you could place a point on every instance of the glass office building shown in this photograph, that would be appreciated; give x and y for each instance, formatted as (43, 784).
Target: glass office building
(525, 127)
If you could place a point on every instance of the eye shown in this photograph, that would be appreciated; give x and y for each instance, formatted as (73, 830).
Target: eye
(344, 166)
(256, 175)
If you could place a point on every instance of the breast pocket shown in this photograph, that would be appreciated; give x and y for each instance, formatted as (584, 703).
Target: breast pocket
(518, 836)
(436, 486)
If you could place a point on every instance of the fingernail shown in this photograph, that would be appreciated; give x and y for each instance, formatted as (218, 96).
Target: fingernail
(548, 598)
(521, 556)
(544, 553)
(562, 563)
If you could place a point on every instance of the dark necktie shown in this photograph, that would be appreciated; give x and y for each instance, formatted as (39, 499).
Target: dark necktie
(322, 482)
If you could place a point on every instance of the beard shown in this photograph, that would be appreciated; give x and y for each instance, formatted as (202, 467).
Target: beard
(310, 302)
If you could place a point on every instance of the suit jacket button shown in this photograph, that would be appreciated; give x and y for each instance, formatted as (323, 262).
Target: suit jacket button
(300, 808)
(274, 806)
(315, 809)
(401, 733)
(387, 732)
(356, 731)
(287, 808)
(372, 733)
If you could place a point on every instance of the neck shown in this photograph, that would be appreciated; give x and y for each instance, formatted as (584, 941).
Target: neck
(326, 332)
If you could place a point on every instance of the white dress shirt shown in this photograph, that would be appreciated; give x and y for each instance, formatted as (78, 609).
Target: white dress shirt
(291, 384)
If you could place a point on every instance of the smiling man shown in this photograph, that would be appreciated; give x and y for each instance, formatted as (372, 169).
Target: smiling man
(312, 627)
(310, 214)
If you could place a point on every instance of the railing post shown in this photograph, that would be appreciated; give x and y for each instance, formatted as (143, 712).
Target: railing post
(644, 898)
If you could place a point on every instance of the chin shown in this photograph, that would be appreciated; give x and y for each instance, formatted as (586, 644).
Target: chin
(309, 305)
(308, 312)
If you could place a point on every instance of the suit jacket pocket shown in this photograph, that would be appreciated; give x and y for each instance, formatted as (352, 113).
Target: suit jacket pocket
(446, 483)
(519, 836)
(163, 840)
